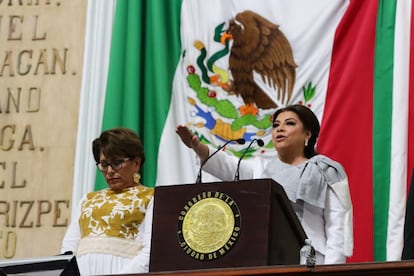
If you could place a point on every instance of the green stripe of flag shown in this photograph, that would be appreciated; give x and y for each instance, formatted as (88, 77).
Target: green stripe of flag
(383, 82)
(144, 53)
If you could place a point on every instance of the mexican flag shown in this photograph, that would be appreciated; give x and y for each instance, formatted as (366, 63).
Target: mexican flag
(175, 62)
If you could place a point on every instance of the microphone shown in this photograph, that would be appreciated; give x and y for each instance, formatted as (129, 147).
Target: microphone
(259, 142)
(240, 141)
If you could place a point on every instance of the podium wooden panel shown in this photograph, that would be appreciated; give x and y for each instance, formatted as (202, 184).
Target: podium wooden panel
(270, 230)
(352, 269)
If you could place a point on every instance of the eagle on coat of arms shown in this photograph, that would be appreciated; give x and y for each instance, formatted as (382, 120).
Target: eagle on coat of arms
(259, 47)
(261, 70)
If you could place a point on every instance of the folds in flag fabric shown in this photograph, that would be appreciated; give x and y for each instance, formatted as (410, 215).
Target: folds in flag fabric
(186, 62)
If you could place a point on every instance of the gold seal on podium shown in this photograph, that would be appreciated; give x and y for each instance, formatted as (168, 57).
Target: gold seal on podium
(209, 225)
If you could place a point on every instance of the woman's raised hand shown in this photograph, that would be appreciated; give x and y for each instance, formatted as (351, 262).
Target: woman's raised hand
(187, 137)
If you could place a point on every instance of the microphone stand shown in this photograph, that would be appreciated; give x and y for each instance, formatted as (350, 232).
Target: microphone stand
(260, 143)
(240, 141)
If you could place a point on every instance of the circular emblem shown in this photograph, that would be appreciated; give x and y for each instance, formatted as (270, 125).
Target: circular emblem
(209, 225)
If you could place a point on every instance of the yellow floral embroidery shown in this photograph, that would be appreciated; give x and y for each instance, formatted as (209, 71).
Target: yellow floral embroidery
(114, 214)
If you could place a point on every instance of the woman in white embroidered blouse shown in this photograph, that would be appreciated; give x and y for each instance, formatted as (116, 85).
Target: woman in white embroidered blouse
(316, 185)
(113, 232)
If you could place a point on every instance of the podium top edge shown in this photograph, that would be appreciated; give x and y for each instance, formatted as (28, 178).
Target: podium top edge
(264, 180)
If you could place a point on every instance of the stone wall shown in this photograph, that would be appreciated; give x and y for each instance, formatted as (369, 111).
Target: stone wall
(41, 53)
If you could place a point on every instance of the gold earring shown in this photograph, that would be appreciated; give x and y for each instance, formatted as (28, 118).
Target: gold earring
(137, 177)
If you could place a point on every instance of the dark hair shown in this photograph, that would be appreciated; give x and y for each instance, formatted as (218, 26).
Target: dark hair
(310, 122)
(118, 142)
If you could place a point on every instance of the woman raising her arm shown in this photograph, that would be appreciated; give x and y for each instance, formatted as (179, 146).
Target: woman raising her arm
(317, 186)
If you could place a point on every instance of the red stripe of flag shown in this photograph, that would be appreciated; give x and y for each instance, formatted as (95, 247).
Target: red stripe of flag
(346, 129)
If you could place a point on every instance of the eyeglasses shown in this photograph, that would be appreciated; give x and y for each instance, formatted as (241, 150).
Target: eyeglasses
(116, 165)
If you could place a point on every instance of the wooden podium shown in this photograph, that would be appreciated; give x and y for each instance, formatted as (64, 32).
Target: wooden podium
(264, 228)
